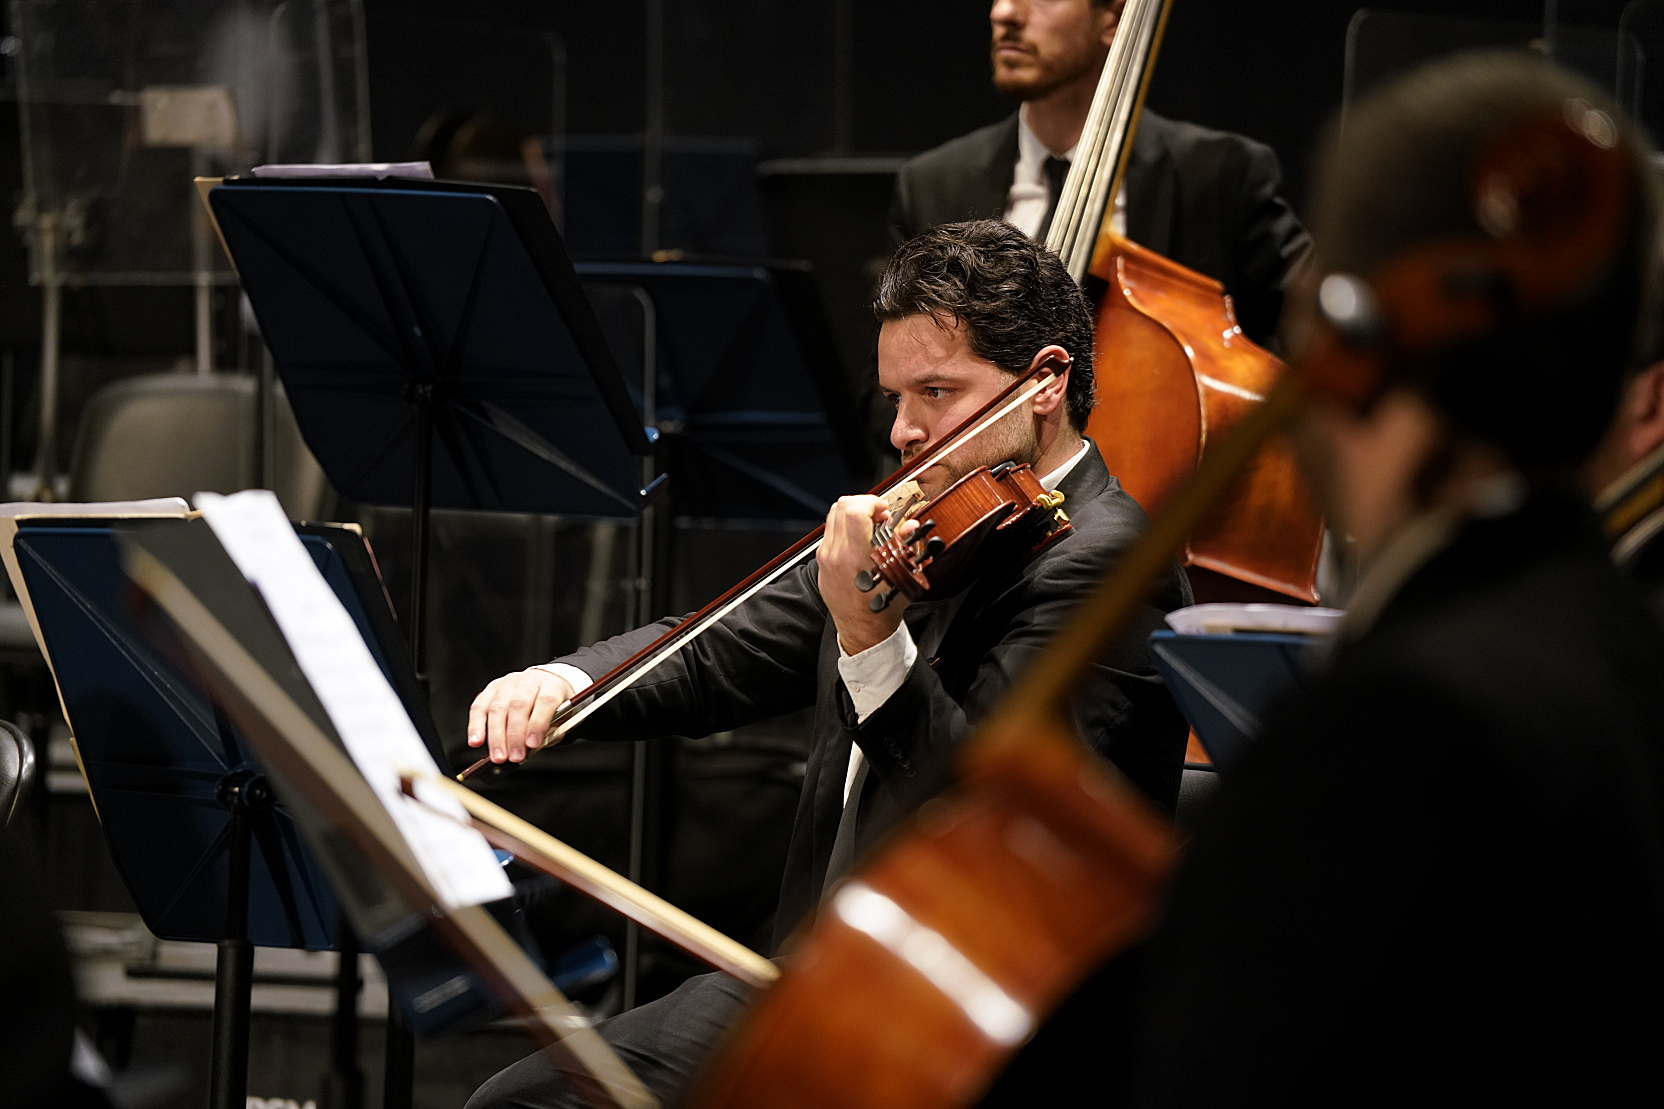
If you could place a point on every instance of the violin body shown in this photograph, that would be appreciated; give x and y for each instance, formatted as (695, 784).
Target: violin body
(923, 975)
(989, 514)
(1174, 374)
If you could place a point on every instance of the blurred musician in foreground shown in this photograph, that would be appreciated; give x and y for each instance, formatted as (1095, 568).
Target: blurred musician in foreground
(1206, 199)
(963, 308)
(1625, 475)
(1439, 874)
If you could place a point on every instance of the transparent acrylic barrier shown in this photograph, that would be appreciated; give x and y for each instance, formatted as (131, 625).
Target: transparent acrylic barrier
(1381, 45)
(122, 102)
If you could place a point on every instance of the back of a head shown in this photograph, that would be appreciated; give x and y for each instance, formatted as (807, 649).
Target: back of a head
(1400, 173)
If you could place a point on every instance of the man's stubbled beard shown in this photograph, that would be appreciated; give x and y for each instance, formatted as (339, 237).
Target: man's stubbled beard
(1012, 439)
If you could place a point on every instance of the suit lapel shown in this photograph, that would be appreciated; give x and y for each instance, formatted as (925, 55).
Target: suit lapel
(991, 185)
(1152, 186)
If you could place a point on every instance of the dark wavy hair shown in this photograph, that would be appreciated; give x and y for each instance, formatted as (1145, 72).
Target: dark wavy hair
(1012, 296)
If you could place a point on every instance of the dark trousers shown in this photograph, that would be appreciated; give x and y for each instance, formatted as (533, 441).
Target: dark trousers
(665, 1042)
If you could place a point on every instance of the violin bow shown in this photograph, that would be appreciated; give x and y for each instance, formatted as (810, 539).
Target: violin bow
(543, 852)
(588, 701)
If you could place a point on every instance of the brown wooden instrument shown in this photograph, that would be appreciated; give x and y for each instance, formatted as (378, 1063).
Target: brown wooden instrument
(927, 969)
(1174, 371)
(987, 514)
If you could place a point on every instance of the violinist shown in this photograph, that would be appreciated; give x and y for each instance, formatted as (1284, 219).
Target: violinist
(963, 308)
(1206, 199)
(1437, 874)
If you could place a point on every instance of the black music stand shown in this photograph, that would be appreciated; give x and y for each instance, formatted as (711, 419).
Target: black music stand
(205, 848)
(437, 349)
(756, 420)
(759, 419)
(1224, 683)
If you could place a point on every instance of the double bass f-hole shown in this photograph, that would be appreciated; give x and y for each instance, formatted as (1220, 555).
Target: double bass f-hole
(990, 513)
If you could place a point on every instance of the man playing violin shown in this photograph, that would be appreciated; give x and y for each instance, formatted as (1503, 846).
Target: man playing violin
(1206, 199)
(964, 308)
(1438, 873)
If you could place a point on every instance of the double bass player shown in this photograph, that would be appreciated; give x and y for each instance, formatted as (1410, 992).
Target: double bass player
(1207, 199)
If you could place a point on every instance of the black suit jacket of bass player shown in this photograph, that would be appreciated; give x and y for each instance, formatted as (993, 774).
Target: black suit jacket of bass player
(1206, 199)
(778, 653)
(1438, 875)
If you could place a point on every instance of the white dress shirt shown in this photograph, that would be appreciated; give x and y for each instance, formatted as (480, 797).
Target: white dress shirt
(1025, 204)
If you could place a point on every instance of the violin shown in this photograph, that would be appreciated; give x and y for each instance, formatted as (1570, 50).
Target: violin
(987, 514)
(588, 701)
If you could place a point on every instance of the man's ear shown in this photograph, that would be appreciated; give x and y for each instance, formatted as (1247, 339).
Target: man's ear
(1109, 18)
(1646, 406)
(1049, 399)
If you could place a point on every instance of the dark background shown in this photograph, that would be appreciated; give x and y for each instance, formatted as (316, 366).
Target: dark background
(786, 85)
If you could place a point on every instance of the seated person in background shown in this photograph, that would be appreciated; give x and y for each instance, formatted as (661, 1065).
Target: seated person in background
(1629, 457)
(963, 308)
(1438, 875)
(1206, 199)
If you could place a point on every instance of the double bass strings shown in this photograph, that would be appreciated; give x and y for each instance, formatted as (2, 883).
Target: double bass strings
(1107, 134)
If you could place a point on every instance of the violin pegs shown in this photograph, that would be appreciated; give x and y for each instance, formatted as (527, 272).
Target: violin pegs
(922, 531)
(882, 601)
(865, 582)
(934, 546)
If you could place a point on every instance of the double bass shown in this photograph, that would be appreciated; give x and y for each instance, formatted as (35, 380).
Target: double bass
(1174, 371)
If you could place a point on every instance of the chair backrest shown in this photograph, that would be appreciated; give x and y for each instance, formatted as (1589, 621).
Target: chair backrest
(17, 770)
(172, 435)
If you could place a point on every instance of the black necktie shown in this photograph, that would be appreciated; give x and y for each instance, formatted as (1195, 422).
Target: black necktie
(1056, 169)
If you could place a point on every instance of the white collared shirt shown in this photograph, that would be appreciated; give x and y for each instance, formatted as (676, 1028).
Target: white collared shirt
(1025, 204)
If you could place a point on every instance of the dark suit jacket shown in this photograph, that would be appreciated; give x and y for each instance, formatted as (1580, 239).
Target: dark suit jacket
(1438, 875)
(1206, 199)
(779, 653)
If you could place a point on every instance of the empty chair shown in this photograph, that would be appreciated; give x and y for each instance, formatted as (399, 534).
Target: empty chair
(172, 435)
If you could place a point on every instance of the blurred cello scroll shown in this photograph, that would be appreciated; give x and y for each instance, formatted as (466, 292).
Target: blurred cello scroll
(1174, 370)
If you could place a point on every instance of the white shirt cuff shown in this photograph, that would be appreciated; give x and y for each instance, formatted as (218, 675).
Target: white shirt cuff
(577, 679)
(874, 674)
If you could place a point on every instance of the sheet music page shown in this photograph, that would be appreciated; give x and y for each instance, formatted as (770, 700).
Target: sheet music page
(369, 716)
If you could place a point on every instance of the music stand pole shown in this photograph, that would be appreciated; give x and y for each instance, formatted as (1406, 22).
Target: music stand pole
(234, 961)
(346, 1089)
(399, 1058)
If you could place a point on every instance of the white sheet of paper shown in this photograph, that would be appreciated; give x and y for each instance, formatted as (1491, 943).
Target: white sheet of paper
(421, 171)
(368, 715)
(157, 506)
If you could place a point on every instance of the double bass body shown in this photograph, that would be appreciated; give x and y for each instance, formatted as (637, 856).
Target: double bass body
(1175, 372)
